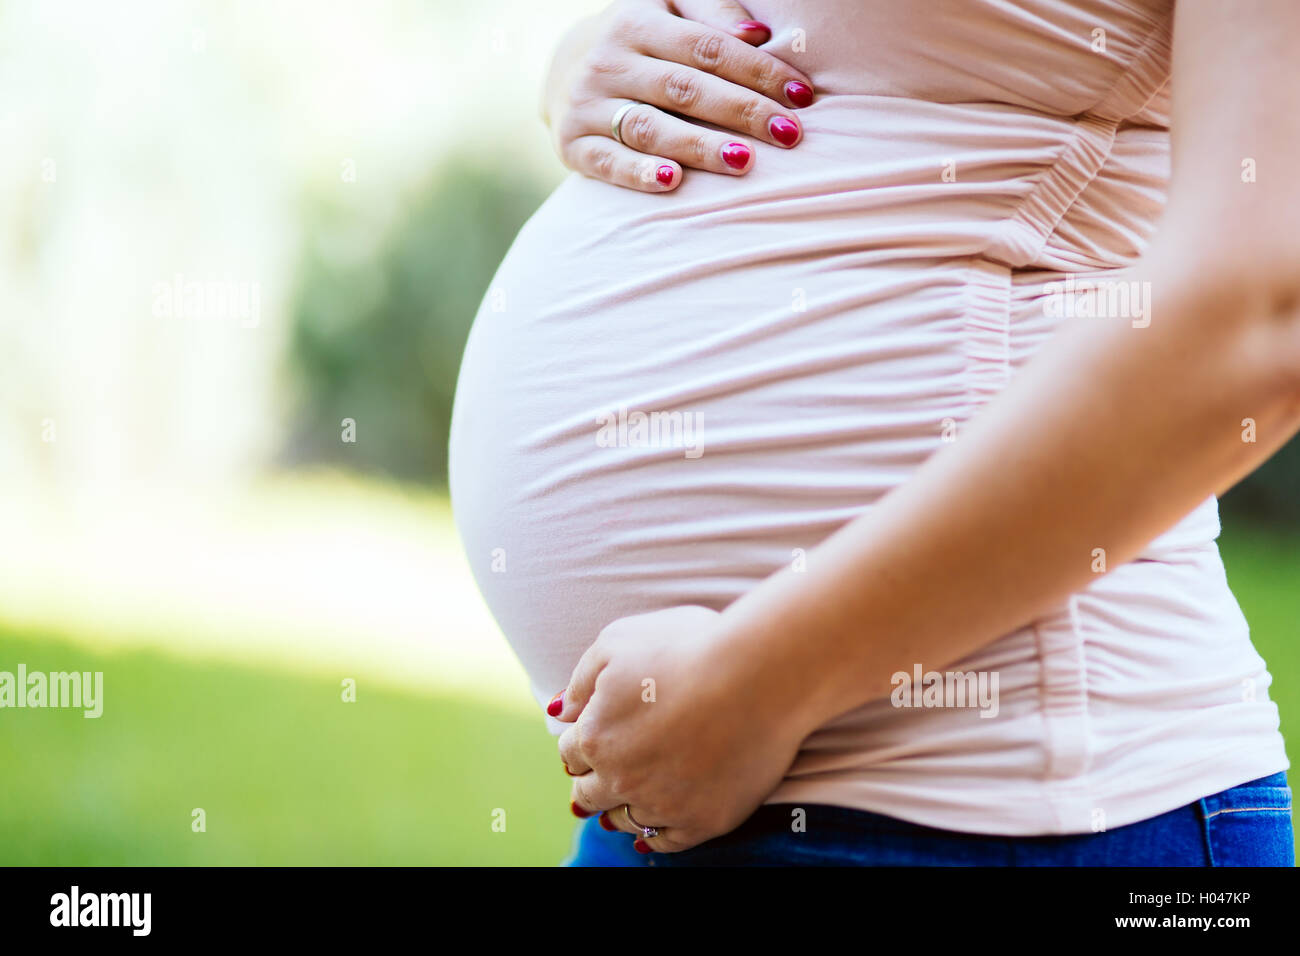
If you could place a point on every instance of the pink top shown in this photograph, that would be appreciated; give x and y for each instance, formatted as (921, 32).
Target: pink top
(665, 398)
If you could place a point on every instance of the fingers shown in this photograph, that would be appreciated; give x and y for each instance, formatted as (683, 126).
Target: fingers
(701, 96)
(725, 15)
(592, 794)
(616, 819)
(575, 762)
(582, 682)
(712, 53)
(600, 157)
(649, 130)
(693, 58)
(669, 840)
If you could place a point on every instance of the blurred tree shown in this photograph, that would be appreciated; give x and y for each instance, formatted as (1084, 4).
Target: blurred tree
(1272, 494)
(377, 337)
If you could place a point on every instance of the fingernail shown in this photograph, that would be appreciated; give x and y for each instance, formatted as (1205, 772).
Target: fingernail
(605, 824)
(578, 812)
(736, 155)
(568, 771)
(754, 26)
(799, 94)
(665, 175)
(783, 131)
(641, 846)
(556, 705)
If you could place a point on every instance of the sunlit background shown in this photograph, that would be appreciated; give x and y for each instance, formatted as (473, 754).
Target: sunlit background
(235, 234)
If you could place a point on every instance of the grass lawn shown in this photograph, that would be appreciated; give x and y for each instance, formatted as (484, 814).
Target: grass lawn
(287, 773)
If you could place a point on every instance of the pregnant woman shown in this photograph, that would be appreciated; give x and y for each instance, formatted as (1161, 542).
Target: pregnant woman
(840, 441)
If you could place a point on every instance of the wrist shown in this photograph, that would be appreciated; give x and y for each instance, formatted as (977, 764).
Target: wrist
(782, 656)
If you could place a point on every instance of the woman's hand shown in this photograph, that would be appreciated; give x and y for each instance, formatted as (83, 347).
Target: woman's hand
(699, 64)
(692, 741)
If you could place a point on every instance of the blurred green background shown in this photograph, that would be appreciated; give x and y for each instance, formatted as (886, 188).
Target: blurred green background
(180, 511)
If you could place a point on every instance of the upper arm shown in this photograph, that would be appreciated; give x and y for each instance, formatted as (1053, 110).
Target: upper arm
(1234, 199)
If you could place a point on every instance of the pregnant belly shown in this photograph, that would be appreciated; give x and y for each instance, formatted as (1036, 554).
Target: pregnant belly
(665, 398)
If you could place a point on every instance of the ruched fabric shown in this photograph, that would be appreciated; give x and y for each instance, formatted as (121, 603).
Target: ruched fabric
(665, 398)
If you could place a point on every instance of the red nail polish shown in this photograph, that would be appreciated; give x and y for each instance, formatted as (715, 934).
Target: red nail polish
(568, 771)
(665, 175)
(736, 155)
(578, 812)
(605, 824)
(556, 705)
(783, 131)
(754, 26)
(641, 846)
(799, 94)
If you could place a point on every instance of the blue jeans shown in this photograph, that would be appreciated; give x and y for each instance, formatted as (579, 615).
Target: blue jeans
(1247, 825)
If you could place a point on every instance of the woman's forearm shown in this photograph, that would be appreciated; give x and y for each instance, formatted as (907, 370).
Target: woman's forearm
(1104, 440)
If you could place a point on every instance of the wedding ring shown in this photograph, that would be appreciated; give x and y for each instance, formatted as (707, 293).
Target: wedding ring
(616, 123)
(646, 832)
